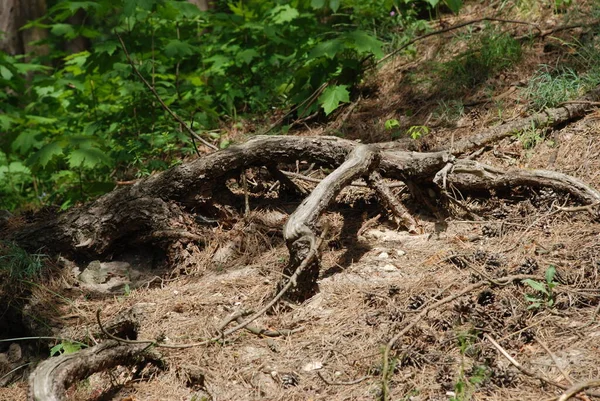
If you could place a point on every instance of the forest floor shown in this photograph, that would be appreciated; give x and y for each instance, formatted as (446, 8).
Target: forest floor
(376, 279)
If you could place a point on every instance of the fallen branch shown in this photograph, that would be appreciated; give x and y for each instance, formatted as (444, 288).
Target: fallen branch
(389, 200)
(297, 231)
(547, 118)
(452, 28)
(531, 374)
(577, 388)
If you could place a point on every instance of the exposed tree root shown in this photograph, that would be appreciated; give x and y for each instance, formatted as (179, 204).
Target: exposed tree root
(53, 377)
(298, 231)
(547, 118)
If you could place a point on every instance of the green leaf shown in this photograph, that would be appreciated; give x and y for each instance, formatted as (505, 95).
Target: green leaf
(56, 349)
(178, 48)
(70, 348)
(188, 10)
(334, 5)
(550, 273)
(329, 48)
(26, 141)
(40, 120)
(88, 157)
(392, 123)
(433, 3)
(332, 96)
(283, 14)
(247, 55)
(366, 43)
(5, 73)
(6, 122)
(454, 5)
(108, 47)
(63, 30)
(130, 6)
(45, 154)
(536, 285)
(317, 4)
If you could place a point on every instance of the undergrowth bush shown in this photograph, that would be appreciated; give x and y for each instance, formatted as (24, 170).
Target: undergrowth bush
(74, 124)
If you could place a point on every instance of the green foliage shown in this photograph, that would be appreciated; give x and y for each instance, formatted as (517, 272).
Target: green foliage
(468, 380)
(544, 291)
(417, 131)
(18, 264)
(391, 124)
(549, 88)
(488, 54)
(332, 96)
(75, 123)
(66, 347)
(530, 137)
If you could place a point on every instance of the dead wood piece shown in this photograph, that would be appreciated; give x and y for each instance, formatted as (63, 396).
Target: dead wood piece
(298, 230)
(285, 180)
(128, 215)
(266, 332)
(549, 117)
(390, 201)
(53, 376)
(577, 388)
(472, 175)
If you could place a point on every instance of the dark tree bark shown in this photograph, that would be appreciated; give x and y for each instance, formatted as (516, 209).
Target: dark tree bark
(14, 14)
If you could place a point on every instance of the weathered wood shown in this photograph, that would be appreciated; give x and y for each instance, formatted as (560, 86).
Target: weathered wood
(547, 118)
(389, 200)
(133, 213)
(298, 230)
(52, 377)
(472, 175)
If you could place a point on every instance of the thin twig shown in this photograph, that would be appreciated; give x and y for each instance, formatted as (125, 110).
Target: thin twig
(577, 388)
(354, 184)
(157, 96)
(580, 102)
(292, 280)
(13, 371)
(592, 320)
(451, 28)
(269, 333)
(579, 208)
(535, 376)
(555, 360)
(308, 101)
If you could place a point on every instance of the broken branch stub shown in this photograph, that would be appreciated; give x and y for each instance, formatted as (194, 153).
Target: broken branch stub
(298, 230)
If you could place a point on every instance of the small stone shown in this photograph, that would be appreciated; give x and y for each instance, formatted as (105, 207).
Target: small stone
(389, 268)
(383, 255)
(309, 367)
(400, 252)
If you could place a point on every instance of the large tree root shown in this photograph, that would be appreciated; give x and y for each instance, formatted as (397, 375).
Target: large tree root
(156, 204)
(298, 231)
(52, 378)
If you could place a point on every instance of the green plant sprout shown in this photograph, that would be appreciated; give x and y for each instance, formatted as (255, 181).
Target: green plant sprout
(545, 295)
